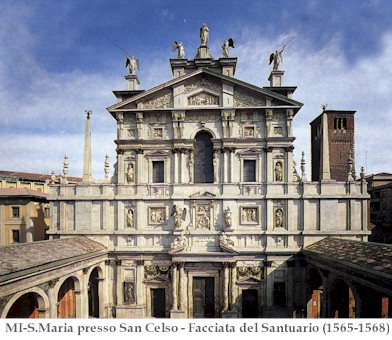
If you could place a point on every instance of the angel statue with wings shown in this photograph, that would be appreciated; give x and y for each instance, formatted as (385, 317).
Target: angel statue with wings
(181, 50)
(132, 64)
(277, 57)
(225, 47)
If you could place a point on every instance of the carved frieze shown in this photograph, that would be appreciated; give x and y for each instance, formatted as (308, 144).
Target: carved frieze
(157, 215)
(248, 272)
(203, 98)
(202, 83)
(203, 117)
(244, 98)
(162, 102)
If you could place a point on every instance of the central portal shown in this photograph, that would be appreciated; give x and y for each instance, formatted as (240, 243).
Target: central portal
(203, 297)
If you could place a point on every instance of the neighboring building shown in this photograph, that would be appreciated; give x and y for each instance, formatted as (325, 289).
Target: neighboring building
(380, 207)
(24, 208)
(339, 126)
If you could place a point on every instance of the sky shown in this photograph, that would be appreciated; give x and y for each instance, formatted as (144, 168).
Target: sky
(59, 58)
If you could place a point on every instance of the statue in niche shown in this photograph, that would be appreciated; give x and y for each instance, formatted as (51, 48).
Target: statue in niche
(130, 175)
(278, 172)
(279, 218)
(215, 162)
(130, 219)
(204, 34)
(129, 292)
(191, 162)
(179, 215)
(181, 50)
(225, 47)
(227, 216)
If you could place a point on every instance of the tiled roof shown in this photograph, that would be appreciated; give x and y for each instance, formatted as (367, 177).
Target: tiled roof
(364, 255)
(26, 176)
(24, 192)
(24, 256)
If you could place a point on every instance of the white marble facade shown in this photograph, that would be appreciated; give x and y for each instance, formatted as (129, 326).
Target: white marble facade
(165, 235)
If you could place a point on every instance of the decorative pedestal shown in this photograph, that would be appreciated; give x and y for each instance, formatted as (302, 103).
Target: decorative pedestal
(275, 78)
(203, 52)
(132, 82)
(229, 314)
(177, 314)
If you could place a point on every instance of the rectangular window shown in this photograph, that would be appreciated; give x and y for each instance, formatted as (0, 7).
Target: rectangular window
(15, 212)
(15, 236)
(249, 170)
(158, 172)
(280, 294)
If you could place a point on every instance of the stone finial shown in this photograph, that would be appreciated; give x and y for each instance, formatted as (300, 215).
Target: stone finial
(65, 166)
(303, 167)
(324, 107)
(225, 47)
(107, 167)
(362, 174)
(350, 177)
(87, 149)
(52, 178)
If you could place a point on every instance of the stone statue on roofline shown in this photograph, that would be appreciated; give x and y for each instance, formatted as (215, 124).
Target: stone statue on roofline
(277, 58)
(130, 62)
(181, 50)
(225, 47)
(204, 34)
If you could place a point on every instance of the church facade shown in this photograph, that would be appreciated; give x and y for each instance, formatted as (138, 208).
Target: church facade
(206, 211)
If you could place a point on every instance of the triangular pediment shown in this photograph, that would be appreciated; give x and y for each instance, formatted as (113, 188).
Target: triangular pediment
(158, 154)
(205, 92)
(249, 281)
(205, 194)
(156, 279)
(249, 152)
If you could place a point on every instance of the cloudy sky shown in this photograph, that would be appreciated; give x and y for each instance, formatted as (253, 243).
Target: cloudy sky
(59, 58)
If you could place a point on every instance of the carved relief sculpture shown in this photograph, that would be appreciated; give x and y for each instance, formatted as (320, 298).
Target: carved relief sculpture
(226, 243)
(157, 215)
(203, 216)
(203, 99)
(249, 131)
(158, 133)
(130, 219)
(179, 243)
(249, 215)
(278, 172)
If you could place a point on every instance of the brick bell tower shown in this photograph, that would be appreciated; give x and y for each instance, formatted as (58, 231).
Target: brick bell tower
(339, 126)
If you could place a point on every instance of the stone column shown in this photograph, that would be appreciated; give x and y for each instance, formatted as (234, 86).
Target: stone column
(139, 168)
(289, 168)
(30, 208)
(52, 300)
(139, 282)
(176, 167)
(174, 286)
(269, 165)
(182, 290)
(120, 167)
(226, 286)
(225, 165)
(233, 305)
(231, 155)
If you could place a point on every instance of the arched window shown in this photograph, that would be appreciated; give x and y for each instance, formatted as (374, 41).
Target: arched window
(204, 168)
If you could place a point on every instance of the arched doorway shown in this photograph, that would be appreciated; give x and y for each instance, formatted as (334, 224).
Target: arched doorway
(93, 295)
(66, 302)
(314, 294)
(25, 307)
(203, 166)
(342, 301)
